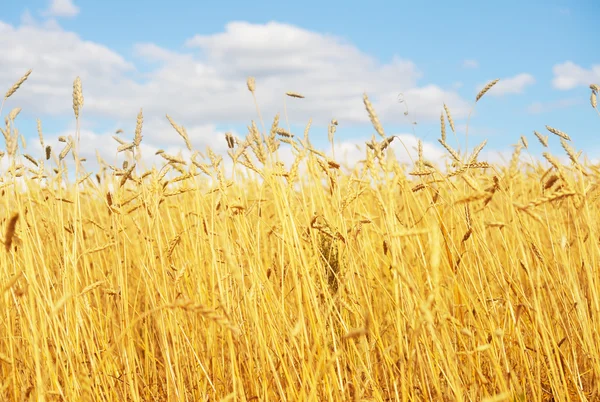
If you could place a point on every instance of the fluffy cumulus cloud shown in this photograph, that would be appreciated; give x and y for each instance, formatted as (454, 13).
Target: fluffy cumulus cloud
(569, 75)
(56, 58)
(204, 86)
(62, 8)
(207, 82)
(510, 85)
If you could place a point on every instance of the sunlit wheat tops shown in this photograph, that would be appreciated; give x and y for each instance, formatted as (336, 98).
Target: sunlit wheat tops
(485, 89)
(455, 155)
(40, 134)
(16, 86)
(137, 139)
(31, 159)
(450, 121)
(373, 116)
(443, 126)
(558, 132)
(251, 83)
(181, 131)
(10, 139)
(570, 152)
(12, 115)
(66, 149)
(77, 96)
(542, 139)
(294, 95)
(283, 132)
(593, 100)
(476, 152)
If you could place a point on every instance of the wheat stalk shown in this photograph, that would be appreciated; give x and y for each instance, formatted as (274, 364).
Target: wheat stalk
(558, 133)
(451, 150)
(373, 116)
(294, 95)
(443, 127)
(543, 140)
(16, 85)
(450, 121)
(485, 89)
(77, 97)
(137, 139)
(181, 131)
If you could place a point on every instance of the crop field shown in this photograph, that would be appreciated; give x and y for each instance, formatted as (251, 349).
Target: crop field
(242, 277)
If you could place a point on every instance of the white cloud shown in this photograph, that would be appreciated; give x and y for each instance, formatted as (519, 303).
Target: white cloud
(511, 85)
(206, 85)
(544, 107)
(62, 8)
(569, 75)
(470, 63)
(56, 58)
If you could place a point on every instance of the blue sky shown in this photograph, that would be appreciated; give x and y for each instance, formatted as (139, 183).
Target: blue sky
(190, 59)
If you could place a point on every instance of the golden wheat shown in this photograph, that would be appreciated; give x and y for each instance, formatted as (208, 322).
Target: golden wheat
(485, 89)
(558, 133)
(17, 85)
(373, 116)
(450, 121)
(199, 279)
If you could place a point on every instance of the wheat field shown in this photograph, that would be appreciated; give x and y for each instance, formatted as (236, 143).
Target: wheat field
(315, 281)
